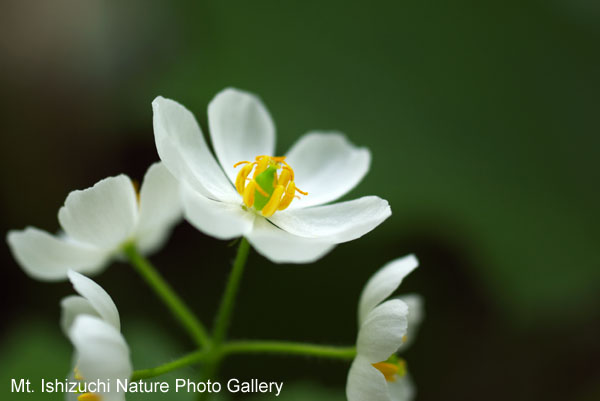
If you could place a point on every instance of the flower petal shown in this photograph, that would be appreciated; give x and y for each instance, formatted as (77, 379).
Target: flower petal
(415, 317)
(327, 166)
(241, 128)
(383, 283)
(46, 257)
(73, 306)
(381, 333)
(102, 353)
(218, 219)
(336, 223)
(160, 208)
(184, 151)
(282, 247)
(366, 383)
(402, 389)
(104, 215)
(97, 296)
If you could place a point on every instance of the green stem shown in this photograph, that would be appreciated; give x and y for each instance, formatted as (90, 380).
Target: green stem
(189, 359)
(228, 301)
(164, 291)
(288, 348)
(247, 347)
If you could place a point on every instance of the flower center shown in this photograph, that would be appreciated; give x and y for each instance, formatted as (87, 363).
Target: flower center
(392, 368)
(267, 191)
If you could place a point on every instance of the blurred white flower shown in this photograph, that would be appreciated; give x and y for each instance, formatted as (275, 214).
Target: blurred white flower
(97, 222)
(277, 203)
(377, 374)
(91, 321)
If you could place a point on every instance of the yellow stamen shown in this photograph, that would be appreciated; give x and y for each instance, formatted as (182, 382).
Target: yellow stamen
(404, 338)
(89, 397)
(238, 163)
(389, 370)
(262, 164)
(273, 203)
(284, 177)
(240, 180)
(287, 199)
(249, 193)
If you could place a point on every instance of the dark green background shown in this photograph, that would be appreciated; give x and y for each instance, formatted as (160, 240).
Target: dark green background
(483, 122)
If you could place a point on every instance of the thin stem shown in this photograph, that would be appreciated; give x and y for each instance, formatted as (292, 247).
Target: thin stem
(189, 359)
(228, 301)
(164, 291)
(289, 348)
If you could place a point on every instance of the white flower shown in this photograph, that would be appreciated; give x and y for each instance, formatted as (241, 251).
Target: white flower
(377, 374)
(91, 321)
(250, 192)
(97, 222)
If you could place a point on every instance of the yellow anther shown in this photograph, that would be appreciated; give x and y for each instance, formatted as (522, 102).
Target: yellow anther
(302, 192)
(248, 194)
(89, 397)
(404, 338)
(261, 165)
(238, 163)
(273, 203)
(240, 180)
(389, 370)
(284, 177)
(290, 191)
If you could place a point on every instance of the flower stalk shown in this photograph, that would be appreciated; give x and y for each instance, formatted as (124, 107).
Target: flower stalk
(164, 291)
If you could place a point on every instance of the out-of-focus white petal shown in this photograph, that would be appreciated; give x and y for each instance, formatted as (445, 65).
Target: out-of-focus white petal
(282, 247)
(339, 222)
(184, 151)
(366, 383)
(402, 389)
(327, 166)
(104, 215)
(46, 257)
(381, 333)
(160, 208)
(218, 219)
(73, 306)
(97, 296)
(102, 353)
(416, 314)
(383, 283)
(241, 128)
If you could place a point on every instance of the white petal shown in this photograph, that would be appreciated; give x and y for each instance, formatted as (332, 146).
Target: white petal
(327, 166)
(241, 128)
(104, 215)
(402, 389)
(282, 247)
(218, 219)
(97, 296)
(336, 223)
(73, 306)
(416, 314)
(366, 383)
(383, 283)
(181, 146)
(102, 352)
(46, 257)
(381, 333)
(160, 208)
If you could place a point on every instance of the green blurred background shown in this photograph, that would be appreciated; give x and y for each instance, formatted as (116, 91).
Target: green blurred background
(483, 122)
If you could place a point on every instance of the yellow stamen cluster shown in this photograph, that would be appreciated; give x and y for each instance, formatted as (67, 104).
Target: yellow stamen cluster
(391, 370)
(267, 191)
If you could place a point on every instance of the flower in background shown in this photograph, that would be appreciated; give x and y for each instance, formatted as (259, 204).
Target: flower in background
(91, 321)
(276, 202)
(97, 222)
(377, 374)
